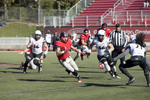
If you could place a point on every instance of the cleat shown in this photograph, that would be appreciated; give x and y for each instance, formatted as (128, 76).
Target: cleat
(79, 80)
(40, 68)
(131, 81)
(21, 66)
(23, 72)
(148, 84)
(81, 57)
(116, 75)
(111, 73)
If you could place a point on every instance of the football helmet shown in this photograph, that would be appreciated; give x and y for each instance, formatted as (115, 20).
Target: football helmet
(86, 31)
(104, 25)
(101, 34)
(62, 35)
(36, 33)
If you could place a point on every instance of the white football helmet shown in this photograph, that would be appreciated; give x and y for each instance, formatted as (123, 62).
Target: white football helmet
(101, 32)
(38, 32)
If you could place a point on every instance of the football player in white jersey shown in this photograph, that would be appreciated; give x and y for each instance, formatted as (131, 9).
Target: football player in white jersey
(138, 57)
(104, 48)
(37, 42)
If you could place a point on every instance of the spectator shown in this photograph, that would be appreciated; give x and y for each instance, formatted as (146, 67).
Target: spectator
(74, 38)
(146, 3)
(2, 24)
(55, 38)
(133, 37)
(128, 37)
(48, 37)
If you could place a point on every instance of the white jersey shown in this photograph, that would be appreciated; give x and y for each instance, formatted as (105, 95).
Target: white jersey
(136, 50)
(48, 38)
(37, 45)
(133, 37)
(128, 38)
(101, 46)
(73, 37)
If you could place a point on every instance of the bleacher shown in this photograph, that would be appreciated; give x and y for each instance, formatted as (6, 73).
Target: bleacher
(134, 14)
(129, 12)
(94, 12)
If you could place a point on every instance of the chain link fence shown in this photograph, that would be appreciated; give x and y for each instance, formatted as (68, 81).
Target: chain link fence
(29, 15)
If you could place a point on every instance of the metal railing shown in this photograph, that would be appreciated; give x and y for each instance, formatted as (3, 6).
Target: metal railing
(77, 8)
(125, 18)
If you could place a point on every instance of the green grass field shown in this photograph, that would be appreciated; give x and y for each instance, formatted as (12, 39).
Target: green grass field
(19, 29)
(53, 83)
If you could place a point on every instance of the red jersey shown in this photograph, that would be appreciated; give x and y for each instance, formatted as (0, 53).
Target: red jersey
(84, 37)
(66, 45)
(107, 31)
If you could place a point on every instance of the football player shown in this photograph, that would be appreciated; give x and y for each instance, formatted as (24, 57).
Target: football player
(83, 43)
(104, 48)
(31, 64)
(37, 43)
(62, 52)
(105, 28)
(107, 33)
(138, 57)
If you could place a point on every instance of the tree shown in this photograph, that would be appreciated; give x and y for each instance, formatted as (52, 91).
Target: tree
(6, 3)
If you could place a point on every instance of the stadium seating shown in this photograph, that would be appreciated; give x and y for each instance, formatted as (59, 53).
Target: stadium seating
(94, 12)
(137, 13)
(131, 9)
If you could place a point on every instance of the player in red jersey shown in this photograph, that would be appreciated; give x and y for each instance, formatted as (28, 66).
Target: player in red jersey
(62, 52)
(104, 27)
(83, 44)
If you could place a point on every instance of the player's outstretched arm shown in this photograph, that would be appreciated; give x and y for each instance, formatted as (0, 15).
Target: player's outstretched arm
(76, 50)
(27, 49)
(122, 54)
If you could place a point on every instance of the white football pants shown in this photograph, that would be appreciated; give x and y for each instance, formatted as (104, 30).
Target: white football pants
(69, 64)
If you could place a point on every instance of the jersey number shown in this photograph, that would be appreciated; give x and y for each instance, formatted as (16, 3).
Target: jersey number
(36, 46)
(101, 47)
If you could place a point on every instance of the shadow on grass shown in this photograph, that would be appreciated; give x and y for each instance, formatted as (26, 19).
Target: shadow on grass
(90, 72)
(103, 85)
(34, 80)
(10, 72)
(14, 68)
